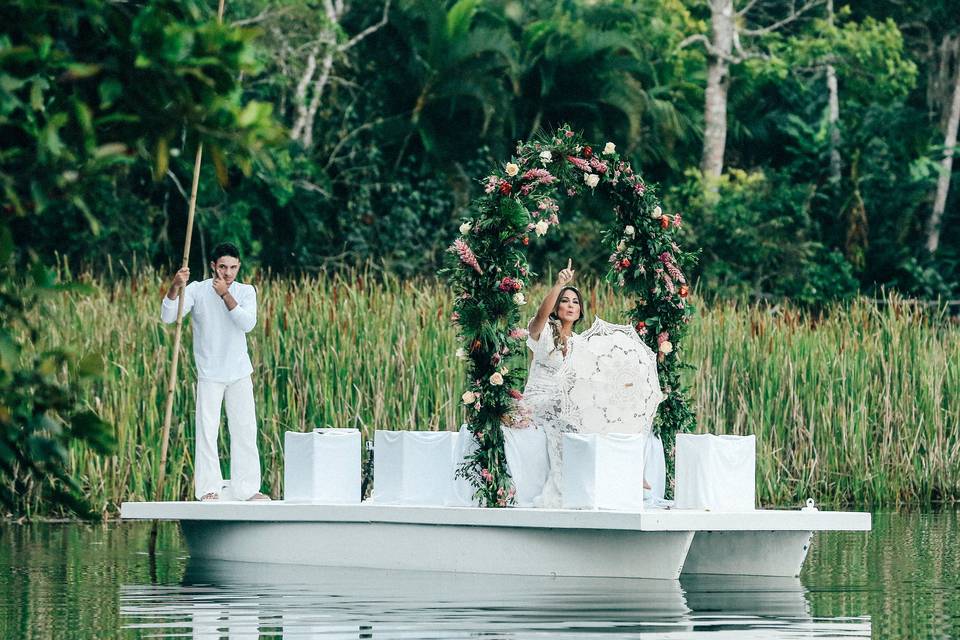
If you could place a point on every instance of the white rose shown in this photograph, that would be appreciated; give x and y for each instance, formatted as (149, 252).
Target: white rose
(465, 228)
(666, 346)
(629, 231)
(496, 379)
(519, 299)
(609, 148)
(656, 213)
(504, 371)
(546, 156)
(462, 353)
(469, 397)
(512, 169)
(542, 227)
(621, 246)
(591, 179)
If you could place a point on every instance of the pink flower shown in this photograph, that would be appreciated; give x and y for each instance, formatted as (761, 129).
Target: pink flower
(486, 475)
(667, 280)
(580, 163)
(569, 134)
(455, 317)
(518, 334)
(516, 395)
(548, 204)
(466, 256)
(676, 221)
(639, 188)
(539, 176)
(571, 191)
(598, 165)
(671, 266)
(492, 182)
(662, 337)
(500, 492)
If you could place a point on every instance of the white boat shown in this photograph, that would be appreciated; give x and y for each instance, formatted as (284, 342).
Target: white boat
(656, 543)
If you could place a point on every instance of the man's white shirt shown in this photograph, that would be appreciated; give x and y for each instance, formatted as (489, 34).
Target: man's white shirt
(219, 335)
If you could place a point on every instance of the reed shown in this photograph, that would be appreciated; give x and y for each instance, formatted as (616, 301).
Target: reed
(856, 405)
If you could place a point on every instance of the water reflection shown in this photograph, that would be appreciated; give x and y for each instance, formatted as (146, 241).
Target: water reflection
(237, 600)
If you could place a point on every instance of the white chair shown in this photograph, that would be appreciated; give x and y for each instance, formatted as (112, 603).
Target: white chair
(322, 465)
(717, 473)
(413, 467)
(527, 462)
(603, 471)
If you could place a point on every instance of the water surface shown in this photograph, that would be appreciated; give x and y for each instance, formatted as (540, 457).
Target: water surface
(81, 581)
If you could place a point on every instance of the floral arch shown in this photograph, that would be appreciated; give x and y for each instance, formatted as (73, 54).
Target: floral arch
(488, 271)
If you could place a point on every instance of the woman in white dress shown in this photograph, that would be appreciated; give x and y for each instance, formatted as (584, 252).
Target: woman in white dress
(560, 311)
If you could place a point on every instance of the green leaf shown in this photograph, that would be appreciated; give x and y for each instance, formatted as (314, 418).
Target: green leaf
(110, 89)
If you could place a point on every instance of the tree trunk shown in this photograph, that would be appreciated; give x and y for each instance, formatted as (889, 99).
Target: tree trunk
(718, 84)
(946, 165)
(833, 113)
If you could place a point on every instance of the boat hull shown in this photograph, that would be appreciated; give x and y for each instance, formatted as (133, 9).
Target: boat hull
(656, 544)
(751, 553)
(450, 548)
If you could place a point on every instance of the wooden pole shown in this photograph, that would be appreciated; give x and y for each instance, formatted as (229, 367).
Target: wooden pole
(172, 383)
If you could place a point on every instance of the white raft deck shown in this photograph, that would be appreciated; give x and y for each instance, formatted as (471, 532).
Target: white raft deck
(649, 544)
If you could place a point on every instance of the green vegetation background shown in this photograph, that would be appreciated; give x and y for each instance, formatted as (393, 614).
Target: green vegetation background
(340, 135)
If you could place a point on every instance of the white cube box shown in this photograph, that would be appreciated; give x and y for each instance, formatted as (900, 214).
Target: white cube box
(322, 466)
(716, 472)
(603, 471)
(413, 467)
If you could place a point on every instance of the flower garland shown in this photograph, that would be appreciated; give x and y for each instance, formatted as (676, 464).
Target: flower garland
(488, 271)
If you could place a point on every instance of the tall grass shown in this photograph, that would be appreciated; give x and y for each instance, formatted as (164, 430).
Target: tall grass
(858, 405)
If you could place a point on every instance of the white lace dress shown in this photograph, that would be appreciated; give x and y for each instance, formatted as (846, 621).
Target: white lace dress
(542, 397)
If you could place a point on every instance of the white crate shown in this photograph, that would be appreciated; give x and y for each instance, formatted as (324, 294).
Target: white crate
(716, 472)
(603, 471)
(322, 466)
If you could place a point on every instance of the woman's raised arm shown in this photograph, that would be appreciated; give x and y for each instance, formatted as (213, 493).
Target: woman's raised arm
(564, 278)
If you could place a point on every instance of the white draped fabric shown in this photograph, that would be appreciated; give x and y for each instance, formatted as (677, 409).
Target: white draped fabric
(716, 472)
(527, 462)
(603, 471)
(414, 467)
(654, 469)
(322, 466)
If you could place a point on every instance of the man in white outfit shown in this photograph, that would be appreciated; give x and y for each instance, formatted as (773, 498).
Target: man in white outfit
(224, 310)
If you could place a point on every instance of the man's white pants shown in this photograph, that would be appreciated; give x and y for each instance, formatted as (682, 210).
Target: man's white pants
(242, 422)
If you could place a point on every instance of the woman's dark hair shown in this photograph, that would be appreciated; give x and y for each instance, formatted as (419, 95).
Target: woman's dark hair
(225, 249)
(554, 319)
